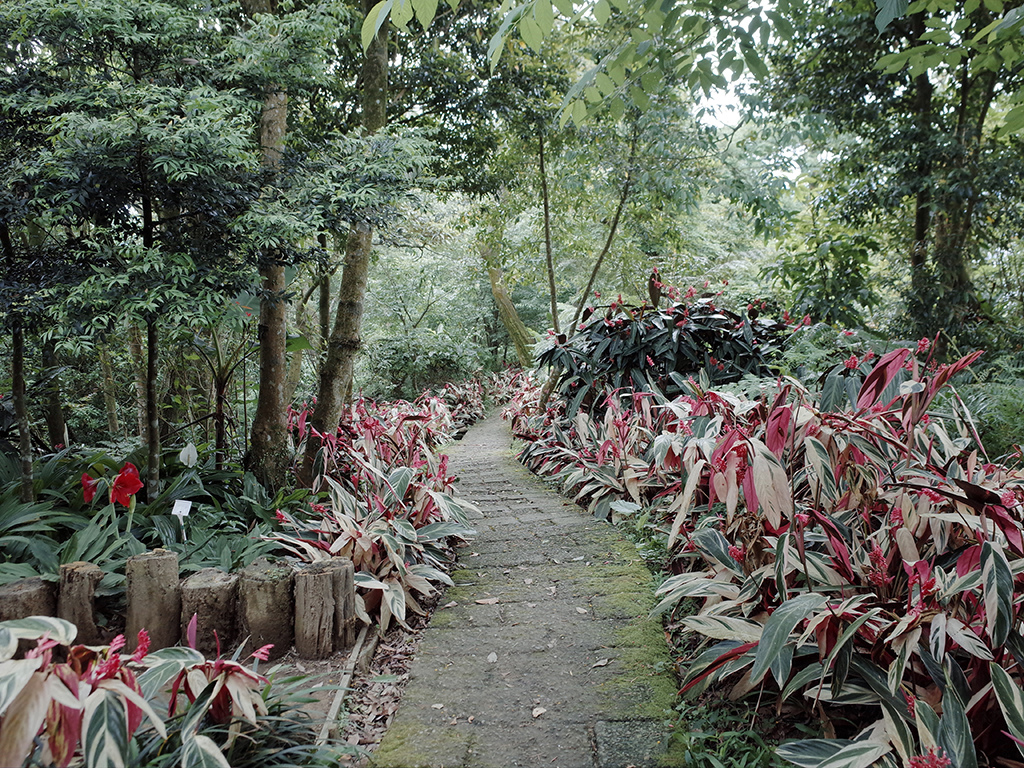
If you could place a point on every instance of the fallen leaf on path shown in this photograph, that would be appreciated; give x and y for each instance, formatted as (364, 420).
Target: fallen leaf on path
(601, 663)
(531, 605)
(487, 601)
(581, 610)
(437, 706)
(527, 582)
(492, 657)
(452, 604)
(474, 554)
(538, 711)
(552, 590)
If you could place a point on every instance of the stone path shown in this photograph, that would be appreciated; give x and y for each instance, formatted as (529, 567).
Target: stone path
(547, 657)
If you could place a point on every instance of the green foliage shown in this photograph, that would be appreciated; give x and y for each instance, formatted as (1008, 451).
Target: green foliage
(392, 510)
(829, 280)
(65, 701)
(641, 349)
(422, 360)
(771, 504)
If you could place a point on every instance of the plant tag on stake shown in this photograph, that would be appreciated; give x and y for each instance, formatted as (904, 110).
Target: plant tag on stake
(181, 510)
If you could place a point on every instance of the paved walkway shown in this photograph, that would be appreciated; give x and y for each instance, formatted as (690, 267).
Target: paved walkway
(547, 657)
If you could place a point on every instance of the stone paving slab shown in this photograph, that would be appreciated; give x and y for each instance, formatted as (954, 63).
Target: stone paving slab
(543, 653)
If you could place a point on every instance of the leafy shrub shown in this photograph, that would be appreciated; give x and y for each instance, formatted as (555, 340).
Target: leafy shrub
(643, 349)
(862, 555)
(391, 507)
(403, 366)
(61, 702)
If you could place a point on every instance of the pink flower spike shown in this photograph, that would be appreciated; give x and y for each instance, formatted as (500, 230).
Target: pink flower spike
(117, 644)
(923, 345)
(1007, 499)
(142, 648)
(263, 654)
(852, 363)
(931, 760)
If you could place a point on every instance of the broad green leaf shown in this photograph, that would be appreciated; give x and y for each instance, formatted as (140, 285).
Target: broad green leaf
(967, 639)
(104, 730)
(545, 16)
(887, 11)
(685, 500)
(602, 11)
(954, 734)
(15, 675)
(35, 627)
(782, 664)
(425, 11)
(997, 587)
(899, 732)
(779, 627)
(715, 547)
(375, 19)
(811, 753)
(401, 14)
(817, 455)
(121, 689)
(8, 644)
(849, 633)
(163, 666)
(201, 751)
(725, 628)
(530, 32)
(1011, 702)
(927, 725)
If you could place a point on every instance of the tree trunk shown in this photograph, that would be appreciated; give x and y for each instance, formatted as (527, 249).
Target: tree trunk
(28, 493)
(109, 391)
(270, 451)
(56, 426)
(139, 374)
(517, 330)
(548, 255)
(152, 411)
(336, 371)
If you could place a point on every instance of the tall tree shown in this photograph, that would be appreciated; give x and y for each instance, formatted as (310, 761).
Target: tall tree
(270, 449)
(344, 342)
(913, 139)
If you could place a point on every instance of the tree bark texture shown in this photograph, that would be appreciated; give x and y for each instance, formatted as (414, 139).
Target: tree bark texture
(270, 451)
(339, 362)
(152, 410)
(139, 374)
(109, 391)
(548, 255)
(28, 493)
(56, 426)
(517, 330)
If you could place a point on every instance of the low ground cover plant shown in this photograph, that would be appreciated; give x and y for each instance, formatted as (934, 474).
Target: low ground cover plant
(861, 557)
(63, 704)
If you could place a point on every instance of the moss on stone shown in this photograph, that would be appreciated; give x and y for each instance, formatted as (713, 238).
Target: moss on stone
(411, 744)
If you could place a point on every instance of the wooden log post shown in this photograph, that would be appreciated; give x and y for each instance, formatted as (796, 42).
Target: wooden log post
(28, 597)
(211, 596)
(76, 599)
(265, 607)
(154, 598)
(314, 610)
(346, 623)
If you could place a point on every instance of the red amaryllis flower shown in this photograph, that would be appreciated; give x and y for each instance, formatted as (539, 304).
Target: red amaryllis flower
(125, 485)
(89, 487)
